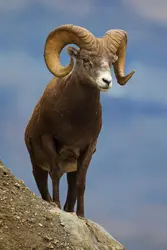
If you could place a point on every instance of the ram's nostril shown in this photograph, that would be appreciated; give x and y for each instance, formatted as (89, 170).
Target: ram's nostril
(106, 81)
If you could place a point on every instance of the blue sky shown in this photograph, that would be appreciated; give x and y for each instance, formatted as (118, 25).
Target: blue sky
(127, 180)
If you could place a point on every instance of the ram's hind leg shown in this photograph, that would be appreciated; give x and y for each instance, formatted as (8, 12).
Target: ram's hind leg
(55, 176)
(49, 147)
(41, 178)
(71, 195)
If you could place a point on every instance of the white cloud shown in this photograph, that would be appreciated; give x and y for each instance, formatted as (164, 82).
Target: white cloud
(26, 76)
(148, 83)
(77, 7)
(17, 5)
(150, 9)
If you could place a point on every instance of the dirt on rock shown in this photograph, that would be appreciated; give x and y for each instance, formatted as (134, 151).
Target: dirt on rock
(24, 221)
(27, 222)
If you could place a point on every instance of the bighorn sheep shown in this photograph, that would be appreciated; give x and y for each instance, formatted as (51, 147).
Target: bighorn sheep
(62, 133)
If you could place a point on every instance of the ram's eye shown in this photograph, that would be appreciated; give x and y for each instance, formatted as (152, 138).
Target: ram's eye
(87, 63)
(86, 60)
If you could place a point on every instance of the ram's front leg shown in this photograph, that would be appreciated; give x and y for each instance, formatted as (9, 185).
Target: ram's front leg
(83, 164)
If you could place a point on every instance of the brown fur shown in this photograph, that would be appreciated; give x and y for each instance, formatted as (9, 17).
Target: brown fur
(61, 136)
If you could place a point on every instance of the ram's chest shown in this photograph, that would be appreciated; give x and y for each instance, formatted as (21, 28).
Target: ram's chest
(81, 125)
(83, 117)
(87, 124)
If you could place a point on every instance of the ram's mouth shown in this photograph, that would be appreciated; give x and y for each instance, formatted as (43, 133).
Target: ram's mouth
(103, 88)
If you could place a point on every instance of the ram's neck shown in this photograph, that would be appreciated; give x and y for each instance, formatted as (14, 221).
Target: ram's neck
(82, 90)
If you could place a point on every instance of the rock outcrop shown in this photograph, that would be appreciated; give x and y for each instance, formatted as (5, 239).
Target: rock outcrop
(27, 222)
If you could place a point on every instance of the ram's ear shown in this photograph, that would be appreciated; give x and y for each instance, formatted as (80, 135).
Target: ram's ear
(73, 52)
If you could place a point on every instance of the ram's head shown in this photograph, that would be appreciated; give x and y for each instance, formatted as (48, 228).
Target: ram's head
(94, 57)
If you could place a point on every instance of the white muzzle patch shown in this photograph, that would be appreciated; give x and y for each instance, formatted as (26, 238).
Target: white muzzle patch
(104, 80)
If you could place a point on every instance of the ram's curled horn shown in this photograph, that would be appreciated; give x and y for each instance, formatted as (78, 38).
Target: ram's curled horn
(115, 42)
(58, 39)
